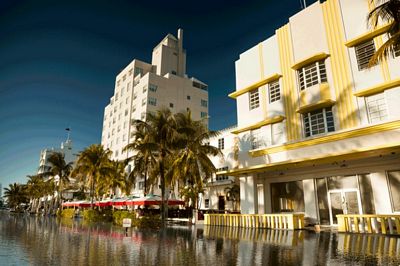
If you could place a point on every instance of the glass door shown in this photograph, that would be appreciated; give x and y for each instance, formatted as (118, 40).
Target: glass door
(343, 201)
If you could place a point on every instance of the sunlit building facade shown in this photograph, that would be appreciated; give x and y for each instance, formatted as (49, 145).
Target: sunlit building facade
(142, 88)
(318, 130)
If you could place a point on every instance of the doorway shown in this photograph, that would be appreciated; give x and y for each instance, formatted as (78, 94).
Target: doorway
(343, 201)
(221, 203)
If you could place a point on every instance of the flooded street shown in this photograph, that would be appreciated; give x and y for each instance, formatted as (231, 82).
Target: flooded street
(28, 240)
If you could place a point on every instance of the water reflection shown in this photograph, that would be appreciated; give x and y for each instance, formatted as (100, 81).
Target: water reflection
(26, 240)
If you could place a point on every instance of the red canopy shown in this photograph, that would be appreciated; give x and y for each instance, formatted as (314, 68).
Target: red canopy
(153, 200)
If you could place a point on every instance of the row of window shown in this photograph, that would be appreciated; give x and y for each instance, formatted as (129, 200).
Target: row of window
(321, 121)
(315, 73)
(138, 71)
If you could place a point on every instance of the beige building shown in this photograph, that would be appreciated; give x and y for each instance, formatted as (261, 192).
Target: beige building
(141, 88)
(318, 131)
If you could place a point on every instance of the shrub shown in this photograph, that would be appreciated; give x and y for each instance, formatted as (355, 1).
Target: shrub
(148, 221)
(67, 213)
(91, 215)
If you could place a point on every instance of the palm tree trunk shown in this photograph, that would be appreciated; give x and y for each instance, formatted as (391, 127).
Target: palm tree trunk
(91, 192)
(145, 177)
(162, 192)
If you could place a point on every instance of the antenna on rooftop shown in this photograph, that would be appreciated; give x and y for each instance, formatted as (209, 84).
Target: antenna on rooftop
(303, 4)
(68, 130)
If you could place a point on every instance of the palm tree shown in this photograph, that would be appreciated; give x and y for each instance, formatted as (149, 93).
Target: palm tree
(143, 160)
(116, 178)
(389, 12)
(93, 164)
(233, 194)
(36, 188)
(160, 129)
(192, 163)
(59, 167)
(16, 195)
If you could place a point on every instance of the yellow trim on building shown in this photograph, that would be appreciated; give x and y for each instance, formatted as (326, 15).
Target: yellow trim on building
(256, 85)
(289, 88)
(346, 110)
(352, 133)
(324, 93)
(378, 88)
(262, 76)
(309, 60)
(368, 35)
(268, 121)
(314, 106)
(309, 161)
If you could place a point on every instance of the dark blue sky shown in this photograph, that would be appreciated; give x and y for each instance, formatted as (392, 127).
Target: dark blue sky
(59, 59)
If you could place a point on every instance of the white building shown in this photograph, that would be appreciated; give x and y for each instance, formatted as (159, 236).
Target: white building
(319, 132)
(141, 88)
(216, 195)
(65, 148)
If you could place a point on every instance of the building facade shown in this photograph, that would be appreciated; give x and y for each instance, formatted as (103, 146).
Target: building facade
(219, 193)
(318, 130)
(142, 88)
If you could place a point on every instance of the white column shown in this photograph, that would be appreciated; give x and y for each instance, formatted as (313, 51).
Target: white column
(248, 195)
(380, 188)
(310, 205)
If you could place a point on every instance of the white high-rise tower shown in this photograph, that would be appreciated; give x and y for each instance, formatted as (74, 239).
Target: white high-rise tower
(141, 88)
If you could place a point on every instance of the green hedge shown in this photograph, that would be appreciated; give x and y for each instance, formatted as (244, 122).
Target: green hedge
(67, 213)
(96, 215)
(148, 221)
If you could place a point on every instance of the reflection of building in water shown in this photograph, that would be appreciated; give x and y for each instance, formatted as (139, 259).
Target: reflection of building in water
(275, 237)
(378, 246)
(317, 131)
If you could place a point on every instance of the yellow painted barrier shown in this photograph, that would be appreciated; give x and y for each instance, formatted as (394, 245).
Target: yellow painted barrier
(274, 221)
(369, 223)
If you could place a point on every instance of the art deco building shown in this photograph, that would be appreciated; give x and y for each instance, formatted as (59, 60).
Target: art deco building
(318, 130)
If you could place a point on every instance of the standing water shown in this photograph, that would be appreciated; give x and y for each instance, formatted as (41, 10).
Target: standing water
(28, 240)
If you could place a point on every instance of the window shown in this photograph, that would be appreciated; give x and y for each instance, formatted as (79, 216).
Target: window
(203, 114)
(144, 102)
(312, 74)
(126, 112)
(318, 122)
(188, 97)
(134, 95)
(376, 107)
(364, 52)
(152, 87)
(128, 86)
(116, 96)
(138, 71)
(221, 144)
(171, 105)
(130, 72)
(254, 100)
(173, 72)
(143, 116)
(141, 185)
(203, 103)
(206, 203)
(396, 50)
(144, 88)
(394, 184)
(124, 78)
(222, 177)
(152, 101)
(274, 91)
(258, 139)
(126, 100)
